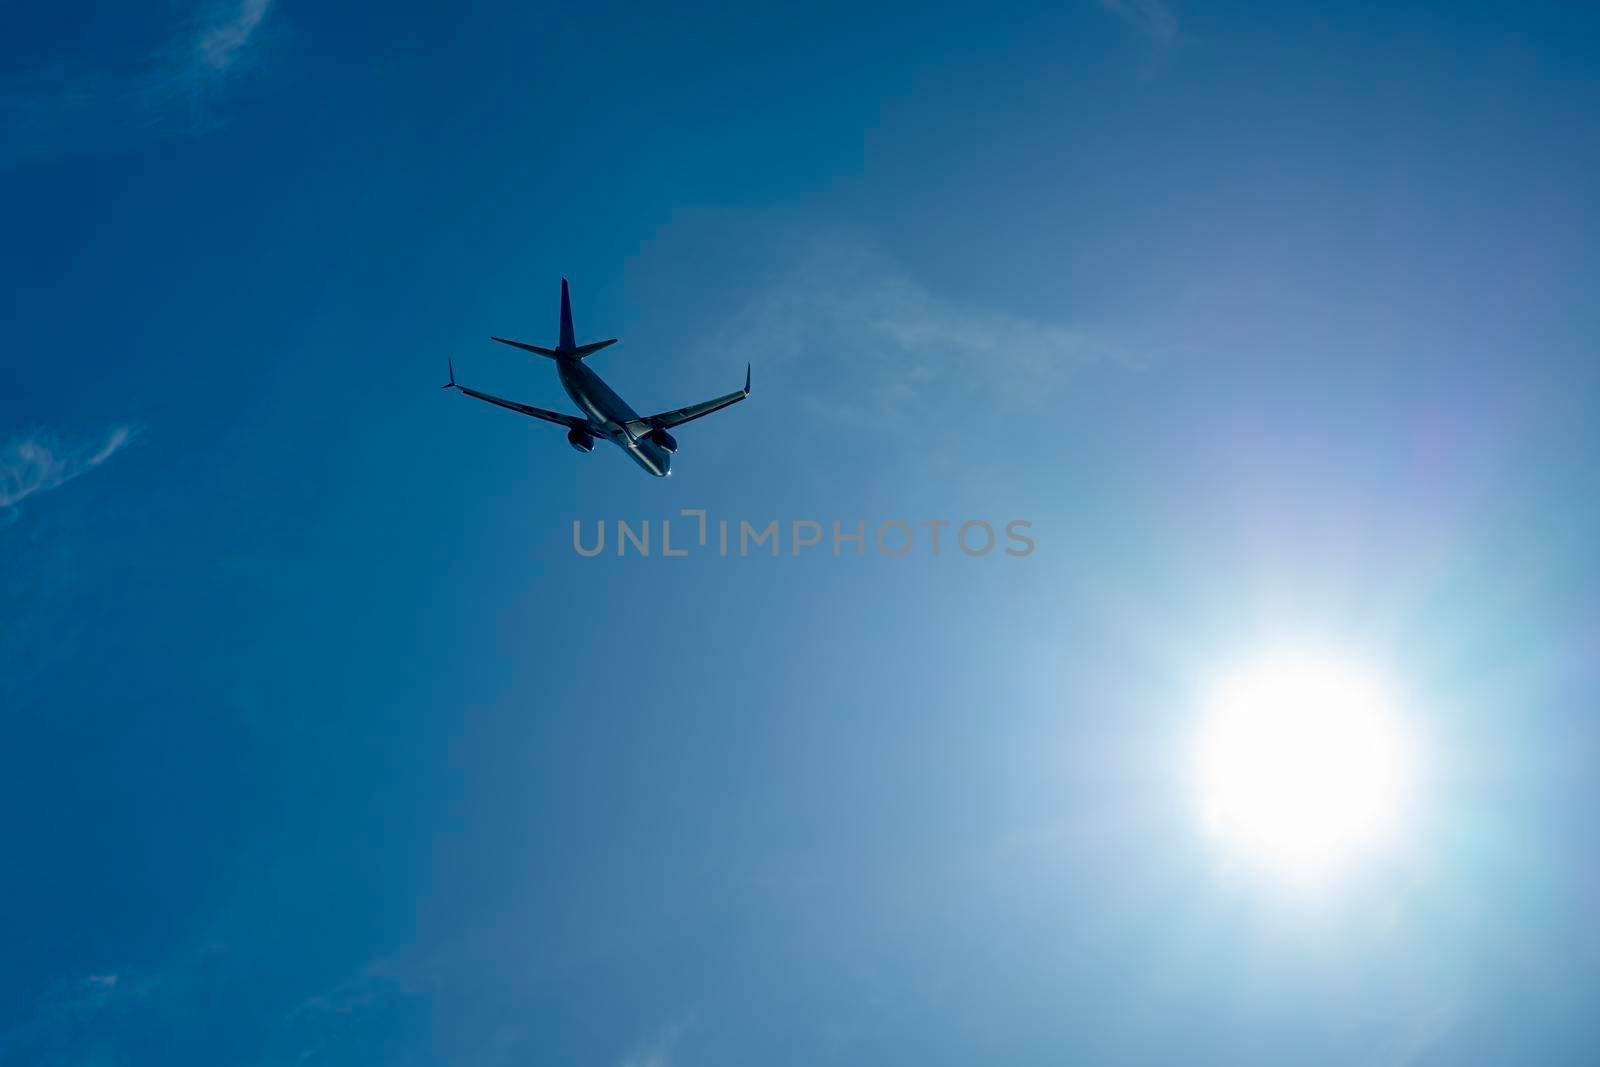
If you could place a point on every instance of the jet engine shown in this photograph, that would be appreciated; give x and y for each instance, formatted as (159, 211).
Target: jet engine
(582, 441)
(665, 440)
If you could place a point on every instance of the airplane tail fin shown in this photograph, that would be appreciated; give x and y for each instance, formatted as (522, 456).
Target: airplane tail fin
(567, 346)
(567, 341)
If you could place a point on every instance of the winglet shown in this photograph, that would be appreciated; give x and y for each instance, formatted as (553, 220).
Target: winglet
(747, 379)
(451, 384)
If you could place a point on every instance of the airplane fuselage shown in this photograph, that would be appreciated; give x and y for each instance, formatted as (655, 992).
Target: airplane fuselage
(611, 414)
(647, 441)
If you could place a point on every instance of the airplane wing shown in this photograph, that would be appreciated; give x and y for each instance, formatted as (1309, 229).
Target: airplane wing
(678, 416)
(576, 422)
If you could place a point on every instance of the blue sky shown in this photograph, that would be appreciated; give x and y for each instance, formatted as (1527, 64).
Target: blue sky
(322, 746)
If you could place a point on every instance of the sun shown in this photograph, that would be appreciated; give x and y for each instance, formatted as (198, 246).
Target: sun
(1302, 765)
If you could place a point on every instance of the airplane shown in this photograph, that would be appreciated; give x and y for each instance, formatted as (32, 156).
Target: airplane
(646, 440)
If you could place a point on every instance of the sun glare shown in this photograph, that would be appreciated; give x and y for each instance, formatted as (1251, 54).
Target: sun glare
(1302, 765)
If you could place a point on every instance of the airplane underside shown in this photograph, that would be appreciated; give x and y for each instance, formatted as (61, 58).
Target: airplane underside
(646, 440)
(652, 457)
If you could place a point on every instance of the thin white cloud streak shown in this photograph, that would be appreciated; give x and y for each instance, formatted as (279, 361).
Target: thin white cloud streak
(220, 45)
(38, 464)
(1155, 19)
(174, 83)
(657, 1051)
(1420, 1036)
(864, 341)
(60, 1025)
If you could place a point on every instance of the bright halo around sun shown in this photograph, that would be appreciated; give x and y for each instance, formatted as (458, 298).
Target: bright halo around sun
(1303, 765)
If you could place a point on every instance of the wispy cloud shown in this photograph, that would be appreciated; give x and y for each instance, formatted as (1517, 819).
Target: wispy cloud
(219, 46)
(38, 463)
(68, 106)
(78, 1018)
(63, 1020)
(1419, 1036)
(657, 1050)
(841, 311)
(1156, 19)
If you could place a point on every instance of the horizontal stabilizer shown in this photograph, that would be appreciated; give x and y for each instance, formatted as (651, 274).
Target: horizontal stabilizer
(556, 353)
(589, 350)
(567, 347)
(552, 353)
